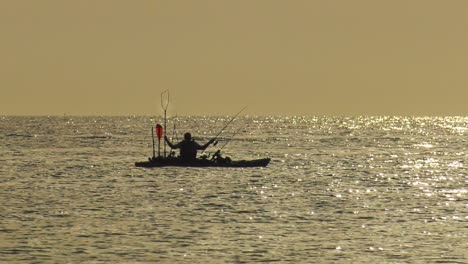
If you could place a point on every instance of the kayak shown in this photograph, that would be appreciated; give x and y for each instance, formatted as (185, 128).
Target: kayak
(176, 162)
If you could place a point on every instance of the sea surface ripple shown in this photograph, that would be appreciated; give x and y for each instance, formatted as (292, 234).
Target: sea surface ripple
(338, 190)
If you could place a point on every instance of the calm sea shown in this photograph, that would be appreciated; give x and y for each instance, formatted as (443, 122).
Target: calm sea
(338, 190)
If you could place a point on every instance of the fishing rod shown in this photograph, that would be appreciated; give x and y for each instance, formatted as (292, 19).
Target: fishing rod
(232, 136)
(174, 134)
(228, 123)
(164, 107)
(227, 141)
(174, 130)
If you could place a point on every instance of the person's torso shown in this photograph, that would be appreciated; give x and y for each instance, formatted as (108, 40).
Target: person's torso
(188, 149)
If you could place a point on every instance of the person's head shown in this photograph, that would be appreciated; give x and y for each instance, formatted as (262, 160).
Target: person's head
(187, 136)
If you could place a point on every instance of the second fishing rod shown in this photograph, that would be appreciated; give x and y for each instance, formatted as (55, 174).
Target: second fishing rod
(227, 124)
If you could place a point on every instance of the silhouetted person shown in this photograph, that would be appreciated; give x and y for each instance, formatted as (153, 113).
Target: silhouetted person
(188, 147)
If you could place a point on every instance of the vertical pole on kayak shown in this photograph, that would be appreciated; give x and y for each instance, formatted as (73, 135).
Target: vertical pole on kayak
(152, 136)
(159, 147)
(164, 107)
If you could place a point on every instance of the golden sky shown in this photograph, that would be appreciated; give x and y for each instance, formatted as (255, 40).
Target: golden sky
(280, 57)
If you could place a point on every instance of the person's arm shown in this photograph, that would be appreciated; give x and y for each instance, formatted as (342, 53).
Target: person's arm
(172, 146)
(206, 145)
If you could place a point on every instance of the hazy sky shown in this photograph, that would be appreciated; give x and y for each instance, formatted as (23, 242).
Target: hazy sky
(282, 57)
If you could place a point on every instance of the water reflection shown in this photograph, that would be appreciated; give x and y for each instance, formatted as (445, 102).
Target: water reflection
(354, 189)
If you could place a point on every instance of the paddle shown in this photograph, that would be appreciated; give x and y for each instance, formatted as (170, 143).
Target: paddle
(159, 134)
